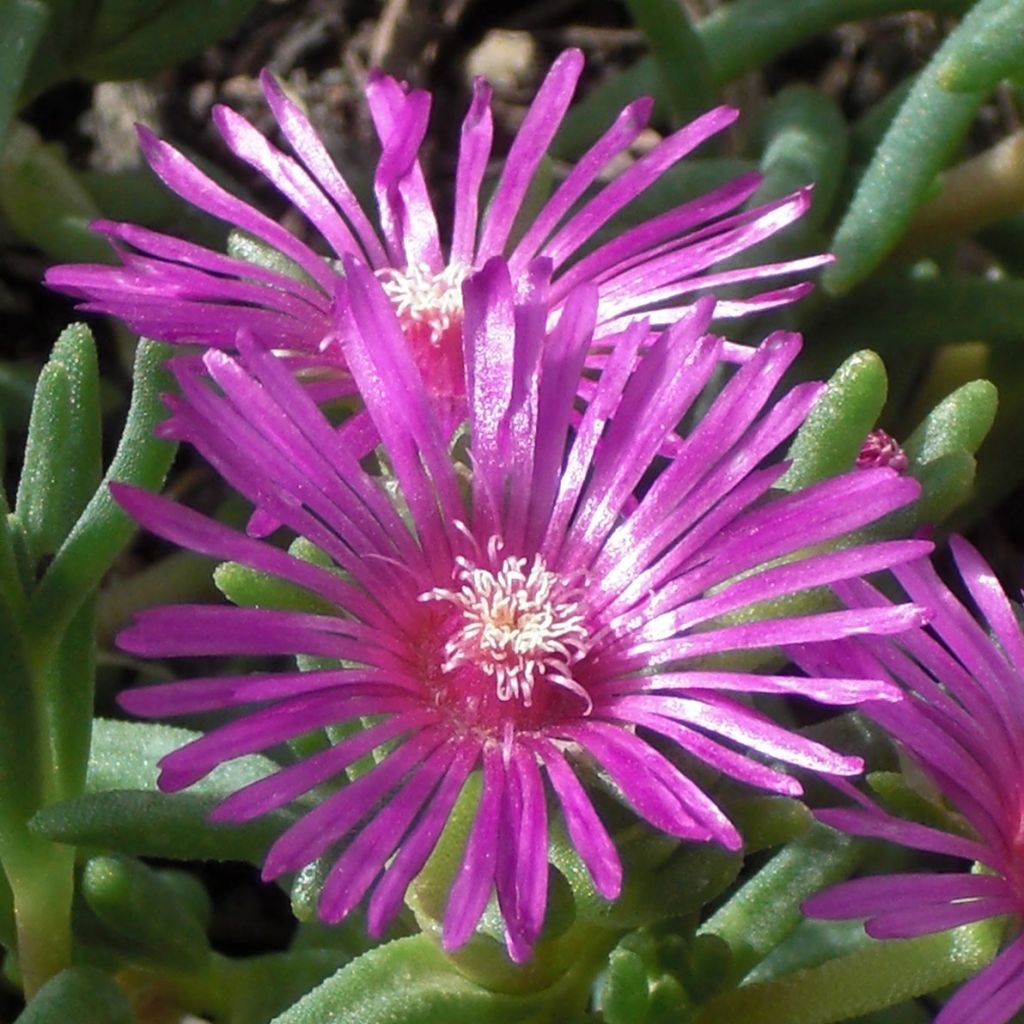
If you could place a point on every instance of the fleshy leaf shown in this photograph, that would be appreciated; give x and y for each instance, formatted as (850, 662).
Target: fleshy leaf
(431, 991)
(174, 33)
(923, 136)
(62, 453)
(760, 914)
(682, 65)
(147, 824)
(104, 528)
(23, 22)
(960, 422)
(82, 995)
(125, 755)
(872, 978)
(832, 434)
(994, 51)
(43, 201)
(144, 910)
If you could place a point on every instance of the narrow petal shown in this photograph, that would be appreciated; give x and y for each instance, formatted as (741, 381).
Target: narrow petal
(474, 878)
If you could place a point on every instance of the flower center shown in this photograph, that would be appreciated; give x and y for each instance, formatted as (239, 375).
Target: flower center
(516, 626)
(429, 309)
(881, 449)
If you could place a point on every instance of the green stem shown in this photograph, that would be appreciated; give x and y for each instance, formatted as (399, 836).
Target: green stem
(42, 878)
(974, 194)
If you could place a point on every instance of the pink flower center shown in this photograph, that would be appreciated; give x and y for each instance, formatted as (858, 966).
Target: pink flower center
(881, 449)
(429, 309)
(515, 626)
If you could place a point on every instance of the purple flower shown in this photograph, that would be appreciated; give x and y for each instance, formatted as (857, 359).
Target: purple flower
(963, 726)
(174, 290)
(537, 603)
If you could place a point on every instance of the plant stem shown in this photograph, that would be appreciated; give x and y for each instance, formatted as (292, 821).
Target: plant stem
(43, 883)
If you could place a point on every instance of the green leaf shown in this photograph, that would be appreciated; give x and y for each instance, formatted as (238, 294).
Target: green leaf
(904, 801)
(682, 64)
(125, 755)
(43, 201)
(254, 250)
(178, 31)
(147, 824)
(123, 811)
(994, 51)
(905, 314)
(960, 422)
(23, 24)
(947, 483)
(143, 909)
(431, 991)
(749, 34)
(805, 144)
(81, 995)
(767, 821)
(263, 986)
(834, 431)
(623, 997)
(922, 138)
(738, 37)
(63, 450)
(103, 529)
(766, 909)
(250, 588)
(879, 975)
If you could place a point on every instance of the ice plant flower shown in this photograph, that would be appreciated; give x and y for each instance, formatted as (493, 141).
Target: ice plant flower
(963, 727)
(176, 291)
(516, 612)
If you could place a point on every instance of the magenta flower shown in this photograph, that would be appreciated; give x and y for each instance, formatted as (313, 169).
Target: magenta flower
(963, 725)
(515, 610)
(176, 291)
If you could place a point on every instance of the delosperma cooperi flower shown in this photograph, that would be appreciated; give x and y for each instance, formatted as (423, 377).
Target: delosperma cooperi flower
(544, 591)
(177, 291)
(962, 725)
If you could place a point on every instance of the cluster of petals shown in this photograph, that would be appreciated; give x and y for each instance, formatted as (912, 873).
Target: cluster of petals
(962, 723)
(177, 291)
(538, 612)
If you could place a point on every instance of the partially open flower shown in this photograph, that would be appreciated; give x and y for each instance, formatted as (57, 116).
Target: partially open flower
(553, 597)
(963, 726)
(173, 290)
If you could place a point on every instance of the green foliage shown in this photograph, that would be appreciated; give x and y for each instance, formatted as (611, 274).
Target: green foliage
(679, 56)
(878, 975)
(141, 908)
(431, 990)
(831, 437)
(62, 454)
(82, 995)
(923, 137)
(24, 22)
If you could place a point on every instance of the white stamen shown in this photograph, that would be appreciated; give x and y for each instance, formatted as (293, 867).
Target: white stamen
(423, 297)
(517, 626)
